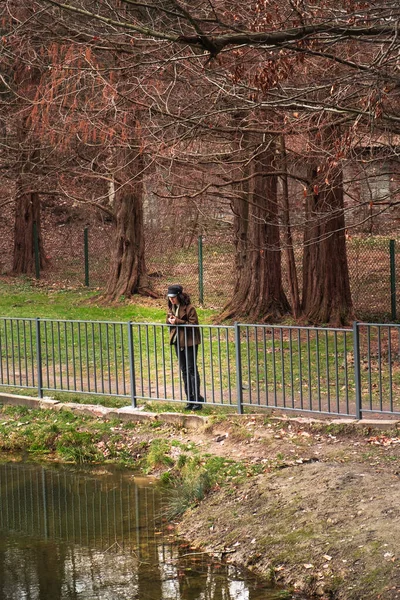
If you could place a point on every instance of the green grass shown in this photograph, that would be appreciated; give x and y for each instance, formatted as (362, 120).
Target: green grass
(46, 432)
(65, 436)
(159, 406)
(94, 356)
(192, 475)
(276, 362)
(26, 298)
(82, 339)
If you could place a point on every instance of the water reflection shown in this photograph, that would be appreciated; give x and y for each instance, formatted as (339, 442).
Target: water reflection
(72, 534)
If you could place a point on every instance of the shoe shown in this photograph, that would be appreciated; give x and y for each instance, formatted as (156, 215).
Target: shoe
(189, 406)
(197, 407)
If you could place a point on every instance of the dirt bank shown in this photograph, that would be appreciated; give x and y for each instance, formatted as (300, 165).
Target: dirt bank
(318, 511)
(322, 517)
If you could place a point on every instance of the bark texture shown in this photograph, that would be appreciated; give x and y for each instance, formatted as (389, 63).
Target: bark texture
(27, 208)
(293, 283)
(258, 294)
(27, 213)
(326, 285)
(128, 274)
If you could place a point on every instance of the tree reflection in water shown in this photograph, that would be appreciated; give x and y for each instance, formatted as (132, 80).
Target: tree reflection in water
(68, 533)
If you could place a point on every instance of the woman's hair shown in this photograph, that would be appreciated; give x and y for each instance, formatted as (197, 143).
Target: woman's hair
(183, 299)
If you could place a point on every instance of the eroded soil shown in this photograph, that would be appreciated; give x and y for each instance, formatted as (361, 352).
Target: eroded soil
(322, 516)
(319, 511)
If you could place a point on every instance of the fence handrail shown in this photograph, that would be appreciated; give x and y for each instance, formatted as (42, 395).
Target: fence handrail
(330, 371)
(199, 325)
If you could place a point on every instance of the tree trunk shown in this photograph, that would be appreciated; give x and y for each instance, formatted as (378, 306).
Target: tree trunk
(26, 215)
(128, 274)
(27, 209)
(240, 208)
(294, 293)
(258, 293)
(326, 285)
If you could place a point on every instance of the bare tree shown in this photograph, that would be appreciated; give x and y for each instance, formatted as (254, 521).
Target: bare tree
(128, 274)
(73, 103)
(326, 285)
(27, 213)
(258, 293)
(294, 67)
(20, 159)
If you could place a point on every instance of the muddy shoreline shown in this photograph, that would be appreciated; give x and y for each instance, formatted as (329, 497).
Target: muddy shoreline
(324, 522)
(319, 511)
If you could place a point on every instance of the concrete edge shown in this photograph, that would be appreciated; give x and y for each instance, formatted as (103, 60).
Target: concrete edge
(125, 414)
(187, 421)
(28, 401)
(85, 409)
(184, 420)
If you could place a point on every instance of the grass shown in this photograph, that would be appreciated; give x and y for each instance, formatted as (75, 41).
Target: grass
(66, 437)
(311, 369)
(46, 432)
(157, 456)
(218, 412)
(83, 352)
(187, 474)
(24, 298)
(193, 475)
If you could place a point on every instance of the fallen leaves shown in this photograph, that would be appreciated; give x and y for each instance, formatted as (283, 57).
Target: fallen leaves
(383, 440)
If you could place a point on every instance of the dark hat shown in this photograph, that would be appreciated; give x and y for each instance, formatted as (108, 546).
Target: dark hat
(174, 290)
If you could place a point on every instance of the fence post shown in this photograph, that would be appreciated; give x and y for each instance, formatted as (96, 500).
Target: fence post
(36, 250)
(200, 261)
(238, 357)
(357, 369)
(132, 365)
(86, 251)
(39, 359)
(393, 279)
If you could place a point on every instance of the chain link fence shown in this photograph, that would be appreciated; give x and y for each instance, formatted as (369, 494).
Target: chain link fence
(373, 272)
(204, 265)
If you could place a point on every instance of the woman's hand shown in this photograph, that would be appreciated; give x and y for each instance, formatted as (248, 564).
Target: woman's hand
(172, 319)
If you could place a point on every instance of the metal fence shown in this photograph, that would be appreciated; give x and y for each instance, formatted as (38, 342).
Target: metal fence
(205, 264)
(100, 536)
(347, 372)
(103, 514)
(206, 268)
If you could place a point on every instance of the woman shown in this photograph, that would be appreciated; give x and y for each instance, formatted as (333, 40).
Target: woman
(186, 341)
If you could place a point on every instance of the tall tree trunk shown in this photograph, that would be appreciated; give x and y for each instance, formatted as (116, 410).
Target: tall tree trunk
(240, 208)
(258, 293)
(27, 209)
(27, 213)
(287, 232)
(326, 285)
(128, 274)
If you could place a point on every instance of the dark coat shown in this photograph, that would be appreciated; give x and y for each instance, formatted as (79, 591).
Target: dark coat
(187, 315)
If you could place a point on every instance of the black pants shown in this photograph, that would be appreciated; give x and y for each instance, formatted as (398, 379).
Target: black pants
(187, 359)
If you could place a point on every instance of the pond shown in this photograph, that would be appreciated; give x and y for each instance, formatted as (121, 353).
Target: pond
(70, 533)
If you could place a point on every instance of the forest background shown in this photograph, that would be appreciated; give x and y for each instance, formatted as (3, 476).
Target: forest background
(270, 129)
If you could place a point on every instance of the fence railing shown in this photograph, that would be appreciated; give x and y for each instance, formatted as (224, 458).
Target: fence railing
(343, 372)
(205, 265)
